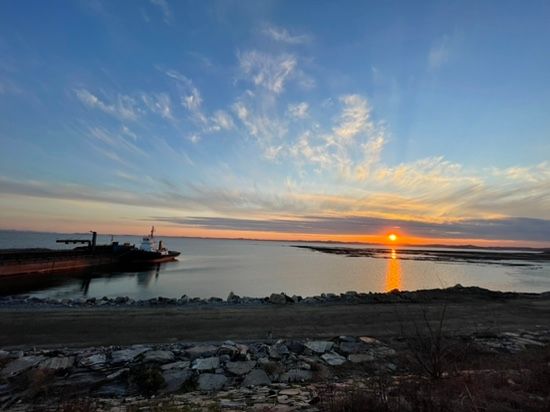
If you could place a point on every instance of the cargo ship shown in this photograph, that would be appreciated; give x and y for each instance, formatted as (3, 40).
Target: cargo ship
(15, 262)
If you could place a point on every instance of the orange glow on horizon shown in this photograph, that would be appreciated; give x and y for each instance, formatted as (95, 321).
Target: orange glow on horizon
(131, 228)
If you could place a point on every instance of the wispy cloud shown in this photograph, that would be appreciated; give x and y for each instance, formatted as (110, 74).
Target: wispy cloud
(165, 9)
(439, 53)
(191, 97)
(115, 140)
(268, 71)
(298, 110)
(159, 103)
(123, 107)
(221, 120)
(354, 119)
(281, 34)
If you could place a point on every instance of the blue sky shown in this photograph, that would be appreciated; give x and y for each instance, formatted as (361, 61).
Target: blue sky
(119, 115)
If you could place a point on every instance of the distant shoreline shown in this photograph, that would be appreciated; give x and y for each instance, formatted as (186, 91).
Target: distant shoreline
(400, 245)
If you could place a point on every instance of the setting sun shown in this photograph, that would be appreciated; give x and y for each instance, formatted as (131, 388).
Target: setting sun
(392, 237)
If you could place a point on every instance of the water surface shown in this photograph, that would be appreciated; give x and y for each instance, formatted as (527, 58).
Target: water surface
(212, 267)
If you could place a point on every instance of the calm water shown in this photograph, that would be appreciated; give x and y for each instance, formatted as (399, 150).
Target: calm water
(250, 268)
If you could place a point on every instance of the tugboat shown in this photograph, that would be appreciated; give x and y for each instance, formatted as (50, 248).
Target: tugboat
(150, 252)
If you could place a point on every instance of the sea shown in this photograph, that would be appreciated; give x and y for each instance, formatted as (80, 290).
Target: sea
(215, 267)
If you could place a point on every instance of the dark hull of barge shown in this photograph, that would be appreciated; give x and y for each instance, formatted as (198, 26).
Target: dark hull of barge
(46, 261)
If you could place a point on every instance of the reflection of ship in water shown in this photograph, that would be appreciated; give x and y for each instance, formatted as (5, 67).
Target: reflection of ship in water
(81, 281)
(144, 278)
(393, 273)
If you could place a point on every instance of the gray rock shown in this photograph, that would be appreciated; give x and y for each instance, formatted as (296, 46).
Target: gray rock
(361, 357)
(256, 377)
(383, 351)
(277, 298)
(117, 374)
(205, 364)
(159, 356)
(176, 365)
(333, 359)
(174, 378)
(20, 365)
(319, 346)
(295, 346)
(201, 350)
(211, 381)
(127, 355)
(351, 347)
(57, 363)
(96, 361)
(232, 298)
(240, 368)
(278, 350)
(296, 375)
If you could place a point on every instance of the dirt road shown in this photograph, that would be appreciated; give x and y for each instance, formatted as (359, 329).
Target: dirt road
(122, 325)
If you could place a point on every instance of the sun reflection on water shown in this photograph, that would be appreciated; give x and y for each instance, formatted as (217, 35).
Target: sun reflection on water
(393, 273)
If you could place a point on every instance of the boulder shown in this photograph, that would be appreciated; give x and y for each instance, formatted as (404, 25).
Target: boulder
(17, 366)
(295, 346)
(350, 347)
(333, 359)
(95, 361)
(201, 350)
(361, 357)
(174, 378)
(240, 368)
(205, 364)
(211, 381)
(232, 298)
(127, 355)
(277, 298)
(160, 356)
(278, 350)
(57, 363)
(256, 377)
(319, 346)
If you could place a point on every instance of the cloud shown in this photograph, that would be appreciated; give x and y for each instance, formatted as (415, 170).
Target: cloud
(159, 103)
(115, 140)
(298, 110)
(221, 120)
(282, 35)
(520, 229)
(260, 122)
(191, 97)
(355, 117)
(165, 9)
(267, 71)
(439, 53)
(124, 107)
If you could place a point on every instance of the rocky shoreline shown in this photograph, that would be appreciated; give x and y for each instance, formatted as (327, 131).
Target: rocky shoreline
(268, 375)
(456, 293)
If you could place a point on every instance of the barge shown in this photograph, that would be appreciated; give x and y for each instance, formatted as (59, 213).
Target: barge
(15, 262)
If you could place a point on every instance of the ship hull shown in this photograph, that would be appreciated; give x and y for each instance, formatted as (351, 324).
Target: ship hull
(25, 262)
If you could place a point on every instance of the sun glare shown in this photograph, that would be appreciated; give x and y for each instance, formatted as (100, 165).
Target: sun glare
(392, 237)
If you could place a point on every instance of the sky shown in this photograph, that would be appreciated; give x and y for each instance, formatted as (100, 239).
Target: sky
(314, 120)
